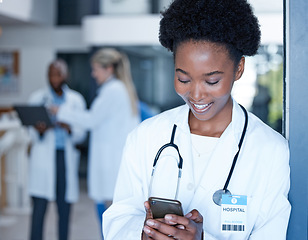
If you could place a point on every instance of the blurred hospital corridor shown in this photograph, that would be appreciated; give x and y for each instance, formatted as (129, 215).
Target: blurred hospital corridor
(84, 224)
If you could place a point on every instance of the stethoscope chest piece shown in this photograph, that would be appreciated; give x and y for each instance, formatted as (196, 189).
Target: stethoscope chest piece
(217, 196)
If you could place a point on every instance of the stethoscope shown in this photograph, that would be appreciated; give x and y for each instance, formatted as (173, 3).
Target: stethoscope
(217, 196)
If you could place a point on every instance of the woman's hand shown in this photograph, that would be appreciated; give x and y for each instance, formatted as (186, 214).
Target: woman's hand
(41, 127)
(189, 227)
(65, 127)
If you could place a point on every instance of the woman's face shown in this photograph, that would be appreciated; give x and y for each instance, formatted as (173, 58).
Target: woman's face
(56, 79)
(204, 76)
(100, 73)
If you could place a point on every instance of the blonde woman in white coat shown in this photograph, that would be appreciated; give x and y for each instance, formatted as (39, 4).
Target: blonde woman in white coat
(112, 115)
(209, 39)
(54, 160)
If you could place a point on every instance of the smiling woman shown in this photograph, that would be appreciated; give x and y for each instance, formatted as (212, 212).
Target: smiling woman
(215, 136)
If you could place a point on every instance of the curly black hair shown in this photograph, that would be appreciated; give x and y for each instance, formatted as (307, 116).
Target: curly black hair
(228, 22)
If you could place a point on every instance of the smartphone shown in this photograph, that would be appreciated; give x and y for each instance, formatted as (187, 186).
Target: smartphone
(162, 206)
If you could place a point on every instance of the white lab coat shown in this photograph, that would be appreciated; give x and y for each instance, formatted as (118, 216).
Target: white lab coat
(42, 181)
(261, 173)
(109, 119)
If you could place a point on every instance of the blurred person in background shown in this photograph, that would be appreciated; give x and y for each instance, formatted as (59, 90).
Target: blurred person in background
(112, 115)
(54, 160)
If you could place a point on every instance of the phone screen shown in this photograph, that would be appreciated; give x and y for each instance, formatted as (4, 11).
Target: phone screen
(162, 206)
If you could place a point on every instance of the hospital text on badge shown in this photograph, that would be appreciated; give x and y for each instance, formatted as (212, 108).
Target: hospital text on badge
(233, 213)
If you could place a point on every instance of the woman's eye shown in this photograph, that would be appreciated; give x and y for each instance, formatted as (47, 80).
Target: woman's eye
(183, 81)
(213, 82)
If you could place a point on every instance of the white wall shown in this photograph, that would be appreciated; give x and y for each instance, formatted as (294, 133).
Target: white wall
(30, 11)
(37, 47)
(121, 30)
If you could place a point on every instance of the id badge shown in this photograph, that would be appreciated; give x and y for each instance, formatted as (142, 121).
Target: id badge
(233, 213)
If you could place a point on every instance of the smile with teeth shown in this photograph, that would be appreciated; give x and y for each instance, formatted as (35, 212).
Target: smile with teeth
(202, 107)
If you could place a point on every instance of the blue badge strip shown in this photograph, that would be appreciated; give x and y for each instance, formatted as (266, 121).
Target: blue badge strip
(234, 199)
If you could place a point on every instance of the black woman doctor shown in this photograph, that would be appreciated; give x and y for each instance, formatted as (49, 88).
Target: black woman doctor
(235, 173)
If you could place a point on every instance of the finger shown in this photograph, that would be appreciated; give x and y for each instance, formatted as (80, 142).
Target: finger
(195, 216)
(152, 233)
(173, 219)
(180, 226)
(144, 235)
(147, 205)
(187, 228)
(159, 230)
(188, 224)
(147, 233)
(148, 210)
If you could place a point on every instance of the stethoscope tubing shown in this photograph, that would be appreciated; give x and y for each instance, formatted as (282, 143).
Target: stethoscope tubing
(180, 162)
(238, 151)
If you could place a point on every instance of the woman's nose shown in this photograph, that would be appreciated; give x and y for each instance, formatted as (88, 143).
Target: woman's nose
(197, 92)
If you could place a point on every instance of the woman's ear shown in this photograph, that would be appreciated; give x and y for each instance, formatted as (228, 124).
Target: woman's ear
(240, 69)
